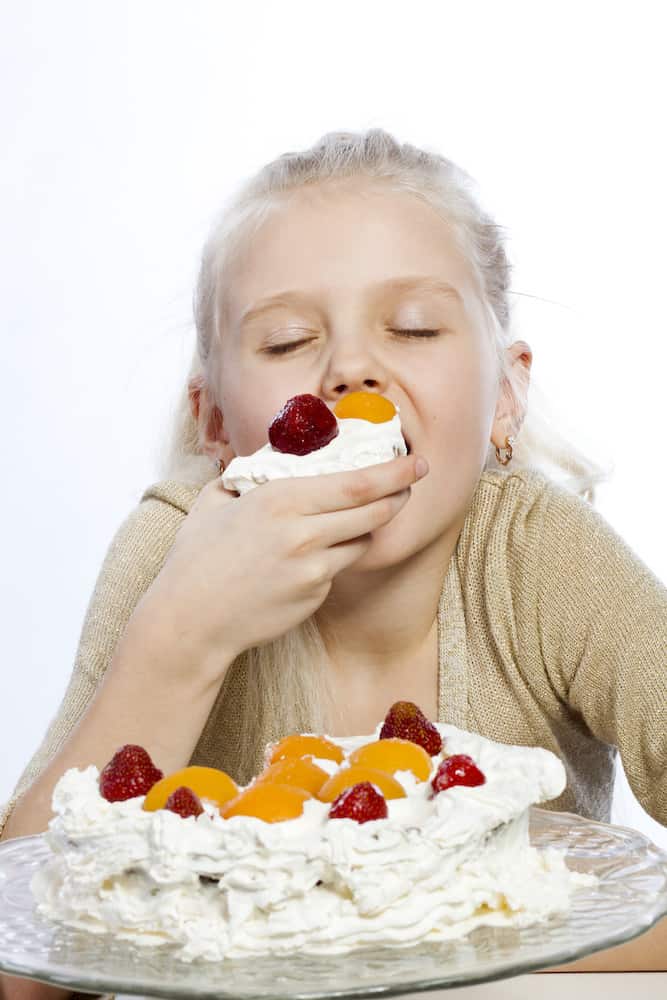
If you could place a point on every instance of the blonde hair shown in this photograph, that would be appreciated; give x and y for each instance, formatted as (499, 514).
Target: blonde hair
(287, 686)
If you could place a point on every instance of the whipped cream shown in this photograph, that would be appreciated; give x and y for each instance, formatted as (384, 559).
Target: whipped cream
(359, 443)
(434, 869)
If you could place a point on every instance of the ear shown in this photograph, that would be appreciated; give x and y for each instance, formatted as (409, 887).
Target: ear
(208, 418)
(195, 387)
(511, 406)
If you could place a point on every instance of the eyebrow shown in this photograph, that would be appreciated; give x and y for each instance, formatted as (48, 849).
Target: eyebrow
(429, 283)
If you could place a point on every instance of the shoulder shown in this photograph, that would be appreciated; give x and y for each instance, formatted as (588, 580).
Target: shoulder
(529, 531)
(522, 507)
(180, 491)
(172, 493)
(148, 530)
(528, 504)
(545, 532)
(525, 489)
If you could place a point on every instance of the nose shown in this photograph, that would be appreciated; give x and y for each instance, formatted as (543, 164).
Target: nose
(368, 384)
(357, 370)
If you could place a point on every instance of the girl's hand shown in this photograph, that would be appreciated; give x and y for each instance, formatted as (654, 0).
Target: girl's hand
(243, 570)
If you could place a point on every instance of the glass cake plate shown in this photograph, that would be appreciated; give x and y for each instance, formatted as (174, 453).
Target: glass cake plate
(630, 897)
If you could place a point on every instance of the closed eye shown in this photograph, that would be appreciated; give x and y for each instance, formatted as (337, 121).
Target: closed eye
(292, 345)
(418, 333)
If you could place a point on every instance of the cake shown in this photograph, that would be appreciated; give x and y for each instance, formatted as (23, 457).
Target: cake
(306, 438)
(416, 832)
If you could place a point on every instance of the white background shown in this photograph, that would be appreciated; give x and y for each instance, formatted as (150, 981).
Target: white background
(123, 127)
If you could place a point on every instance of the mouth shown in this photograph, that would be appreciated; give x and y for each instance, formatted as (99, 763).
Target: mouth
(407, 445)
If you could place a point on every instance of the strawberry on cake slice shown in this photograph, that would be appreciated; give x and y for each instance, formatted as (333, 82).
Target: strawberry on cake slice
(307, 438)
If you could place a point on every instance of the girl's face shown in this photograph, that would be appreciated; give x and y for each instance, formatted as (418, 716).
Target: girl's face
(315, 305)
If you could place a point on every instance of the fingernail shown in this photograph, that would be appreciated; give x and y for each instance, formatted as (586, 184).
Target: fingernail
(421, 467)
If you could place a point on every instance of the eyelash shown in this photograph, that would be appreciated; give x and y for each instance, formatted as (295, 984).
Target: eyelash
(287, 348)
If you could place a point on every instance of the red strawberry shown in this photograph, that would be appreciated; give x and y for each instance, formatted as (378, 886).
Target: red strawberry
(304, 424)
(360, 802)
(130, 772)
(406, 721)
(459, 769)
(184, 802)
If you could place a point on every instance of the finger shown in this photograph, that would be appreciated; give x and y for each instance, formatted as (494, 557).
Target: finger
(346, 490)
(343, 555)
(341, 526)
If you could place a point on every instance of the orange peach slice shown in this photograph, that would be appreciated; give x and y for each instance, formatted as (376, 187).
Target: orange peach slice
(269, 801)
(299, 772)
(306, 746)
(206, 782)
(345, 777)
(393, 755)
(365, 406)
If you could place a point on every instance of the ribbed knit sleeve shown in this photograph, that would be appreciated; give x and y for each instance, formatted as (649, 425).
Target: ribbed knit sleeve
(602, 618)
(132, 561)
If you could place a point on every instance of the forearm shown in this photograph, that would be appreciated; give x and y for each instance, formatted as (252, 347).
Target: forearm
(646, 953)
(153, 693)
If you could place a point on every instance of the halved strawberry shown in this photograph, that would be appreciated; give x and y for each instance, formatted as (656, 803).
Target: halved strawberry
(459, 769)
(360, 802)
(185, 802)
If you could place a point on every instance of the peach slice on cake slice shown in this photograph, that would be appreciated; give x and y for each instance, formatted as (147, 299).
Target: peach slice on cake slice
(206, 782)
(299, 772)
(394, 754)
(269, 801)
(345, 777)
(365, 406)
(298, 745)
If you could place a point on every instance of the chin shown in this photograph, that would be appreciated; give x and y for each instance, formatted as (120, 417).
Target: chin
(390, 545)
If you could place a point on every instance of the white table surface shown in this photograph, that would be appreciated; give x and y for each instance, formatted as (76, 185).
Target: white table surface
(548, 986)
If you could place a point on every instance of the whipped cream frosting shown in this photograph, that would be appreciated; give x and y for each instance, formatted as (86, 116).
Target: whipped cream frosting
(434, 869)
(359, 443)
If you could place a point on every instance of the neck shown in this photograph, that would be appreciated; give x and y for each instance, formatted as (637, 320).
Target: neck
(380, 622)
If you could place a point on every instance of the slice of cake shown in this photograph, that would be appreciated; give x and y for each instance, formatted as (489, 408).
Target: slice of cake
(417, 832)
(306, 438)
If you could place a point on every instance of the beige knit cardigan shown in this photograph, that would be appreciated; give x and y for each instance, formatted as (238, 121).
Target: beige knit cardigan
(552, 633)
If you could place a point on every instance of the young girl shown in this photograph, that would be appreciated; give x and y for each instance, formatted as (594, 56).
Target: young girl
(495, 598)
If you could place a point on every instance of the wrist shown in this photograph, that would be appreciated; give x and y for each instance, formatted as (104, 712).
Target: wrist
(157, 639)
